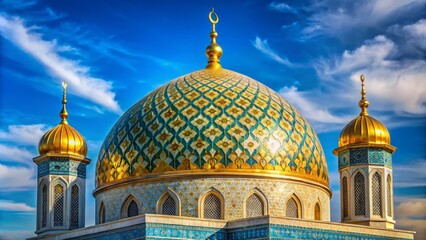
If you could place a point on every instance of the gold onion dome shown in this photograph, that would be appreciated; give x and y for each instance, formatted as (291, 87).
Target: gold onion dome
(211, 122)
(63, 139)
(364, 130)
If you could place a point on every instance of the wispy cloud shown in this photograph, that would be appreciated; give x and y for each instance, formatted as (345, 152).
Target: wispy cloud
(15, 154)
(310, 106)
(386, 75)
(17, 4)
(263, 47)
(16, 178)
(406, 176)
(282, 7)
(24, 134)
(15, 207)
(80, 81)
(342, 18)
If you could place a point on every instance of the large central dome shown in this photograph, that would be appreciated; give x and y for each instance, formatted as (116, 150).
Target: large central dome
(211, 121)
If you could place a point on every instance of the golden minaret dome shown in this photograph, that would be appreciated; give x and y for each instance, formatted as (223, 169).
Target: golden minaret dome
(364, 130)
(63, 139)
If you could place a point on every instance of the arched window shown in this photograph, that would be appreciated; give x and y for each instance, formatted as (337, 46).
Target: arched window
(169, 206)
(212, 207)
(58, 205)
(389, 195)
(132, 209)
(345, 196)
(74, 206)
(359, 194)
(102, 213)
(317, 213)
(44, 206)
(293, 208)
(254, 206)
(377, 194)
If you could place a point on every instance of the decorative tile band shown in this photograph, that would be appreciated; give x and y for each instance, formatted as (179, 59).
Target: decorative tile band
(293, 232)
(53, 167)
(365, 156)
(262, 231)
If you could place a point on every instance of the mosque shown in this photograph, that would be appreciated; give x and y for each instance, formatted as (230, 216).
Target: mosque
(215, 154)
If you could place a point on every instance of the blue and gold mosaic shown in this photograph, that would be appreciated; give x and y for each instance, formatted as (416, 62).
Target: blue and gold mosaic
(261, 231)
(357, 156)
(61, 167)
(211, 120)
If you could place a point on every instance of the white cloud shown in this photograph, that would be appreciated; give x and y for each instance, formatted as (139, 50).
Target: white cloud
(16, 154)
(392, 84)
(14, 206)
(417, 225)
(263, 47)
(322, 118)
(413, 37)
(413, 208)
(282, 7)
(373, 52)
(344, 18)
(24, 134)
(16, 178)
(46, 52)
(411, 215)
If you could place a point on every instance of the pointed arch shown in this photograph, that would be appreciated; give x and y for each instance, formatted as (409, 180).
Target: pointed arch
(345, 197)
(212, 205)
(102, 213)
(168, 203)
(293, 207)
(389, 195)
(58, 203)
(130, 207)
(75, 207)
(44, 204)
(317, 211)
(359, 194)
(376, 188)
(255, 204)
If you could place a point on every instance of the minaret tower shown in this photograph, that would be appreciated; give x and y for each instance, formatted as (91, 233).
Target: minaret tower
(61, 180)
(365, 167)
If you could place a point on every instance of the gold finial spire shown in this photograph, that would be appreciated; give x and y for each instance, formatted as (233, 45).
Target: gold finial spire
(213, 51)
(363, 103)
(64, 114)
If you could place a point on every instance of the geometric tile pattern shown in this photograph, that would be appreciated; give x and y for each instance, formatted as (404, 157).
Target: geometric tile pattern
(294, 232)
(211, 120)
(61, 167)
(365, 156)
(259, 232)
(235, 191)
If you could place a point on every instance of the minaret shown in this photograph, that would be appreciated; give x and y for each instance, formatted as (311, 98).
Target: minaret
(365, 167)
(61, 180)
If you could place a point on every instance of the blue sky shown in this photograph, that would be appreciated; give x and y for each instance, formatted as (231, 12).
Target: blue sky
(112, 53)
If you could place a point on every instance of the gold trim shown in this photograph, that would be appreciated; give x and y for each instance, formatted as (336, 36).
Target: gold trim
(182, 175)
(387, 147)
(61, 157)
